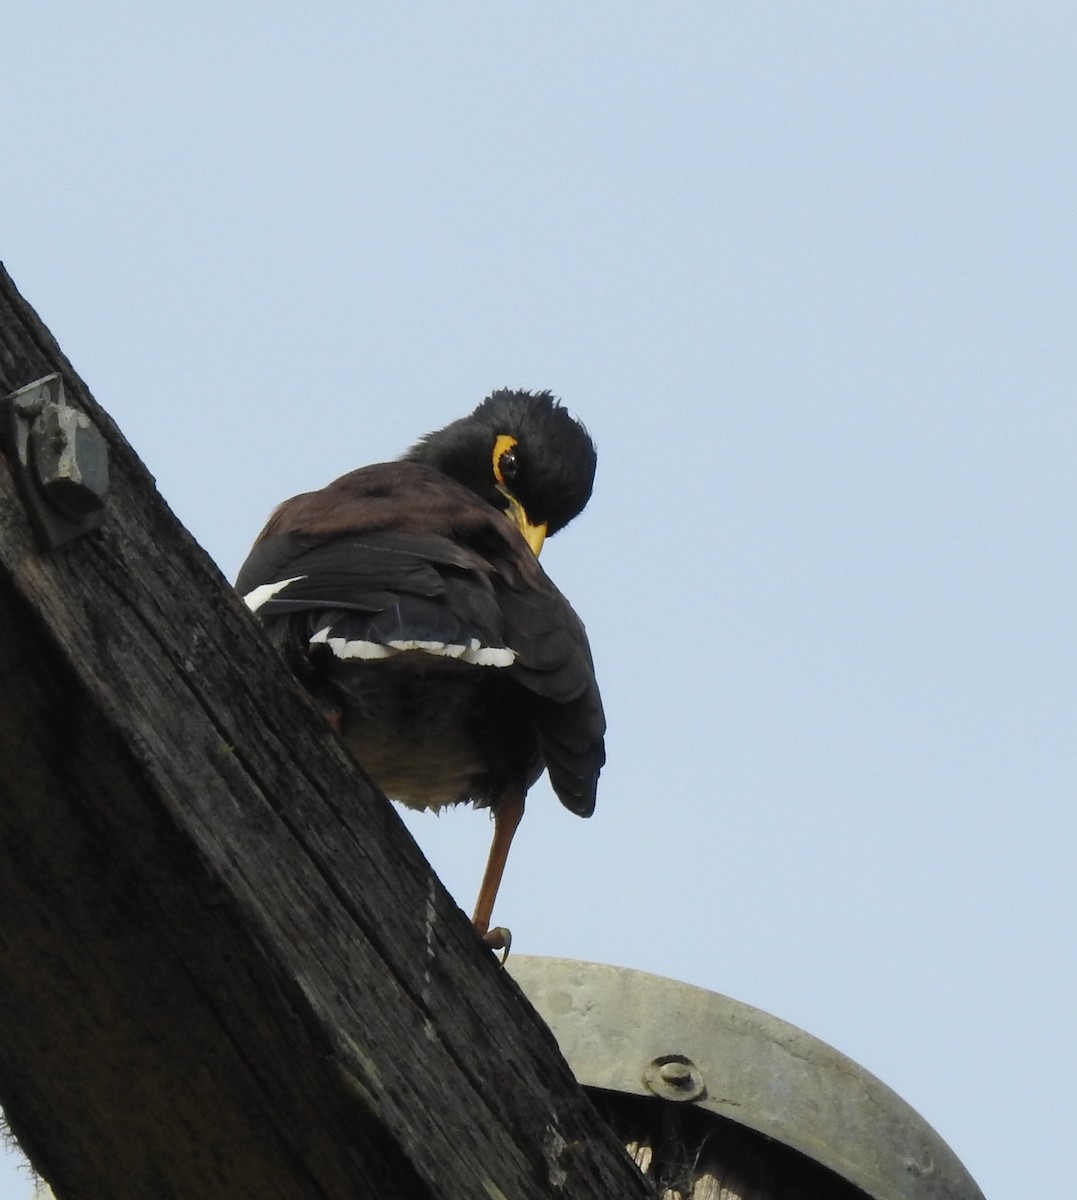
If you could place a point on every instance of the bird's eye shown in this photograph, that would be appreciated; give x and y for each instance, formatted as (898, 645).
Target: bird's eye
(503, 459)
(506, 466)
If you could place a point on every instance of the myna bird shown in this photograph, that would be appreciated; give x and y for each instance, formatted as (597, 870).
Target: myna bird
(408, 597)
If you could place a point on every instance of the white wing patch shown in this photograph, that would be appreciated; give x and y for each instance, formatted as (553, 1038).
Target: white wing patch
(255, 598)
(473, 652)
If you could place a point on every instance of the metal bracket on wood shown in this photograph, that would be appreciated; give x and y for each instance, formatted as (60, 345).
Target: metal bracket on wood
(60, 459)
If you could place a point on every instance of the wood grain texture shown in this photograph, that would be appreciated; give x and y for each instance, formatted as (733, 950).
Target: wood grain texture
(225, 968)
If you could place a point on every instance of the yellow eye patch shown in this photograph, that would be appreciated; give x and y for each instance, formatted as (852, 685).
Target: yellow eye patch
(504, 464)
(503, 445)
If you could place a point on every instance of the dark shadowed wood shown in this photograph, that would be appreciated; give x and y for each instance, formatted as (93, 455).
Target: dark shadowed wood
(225, 969)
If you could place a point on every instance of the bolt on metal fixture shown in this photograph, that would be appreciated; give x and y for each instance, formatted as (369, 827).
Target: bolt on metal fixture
(60, 460)
(674, 1077)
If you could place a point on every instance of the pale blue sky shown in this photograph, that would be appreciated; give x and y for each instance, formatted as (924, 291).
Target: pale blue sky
(808, 274)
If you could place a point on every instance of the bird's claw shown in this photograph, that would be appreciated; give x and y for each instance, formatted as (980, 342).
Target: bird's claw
(498, 938)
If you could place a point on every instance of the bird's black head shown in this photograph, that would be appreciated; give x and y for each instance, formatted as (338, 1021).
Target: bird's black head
(523, 453)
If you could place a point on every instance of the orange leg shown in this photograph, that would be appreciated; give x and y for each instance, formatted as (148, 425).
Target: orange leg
(507, 815)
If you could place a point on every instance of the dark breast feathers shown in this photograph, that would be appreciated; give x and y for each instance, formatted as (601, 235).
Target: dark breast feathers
(419, 618)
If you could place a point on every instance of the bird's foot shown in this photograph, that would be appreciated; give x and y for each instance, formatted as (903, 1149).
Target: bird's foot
(498, 938)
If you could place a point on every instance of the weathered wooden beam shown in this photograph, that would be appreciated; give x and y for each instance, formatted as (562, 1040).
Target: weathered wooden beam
(225, 968)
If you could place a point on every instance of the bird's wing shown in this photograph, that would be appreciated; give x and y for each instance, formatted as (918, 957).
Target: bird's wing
(553, 661)
(366, 595)
(398, 557)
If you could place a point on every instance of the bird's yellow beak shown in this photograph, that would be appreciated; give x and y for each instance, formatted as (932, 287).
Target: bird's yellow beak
(534, 535)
